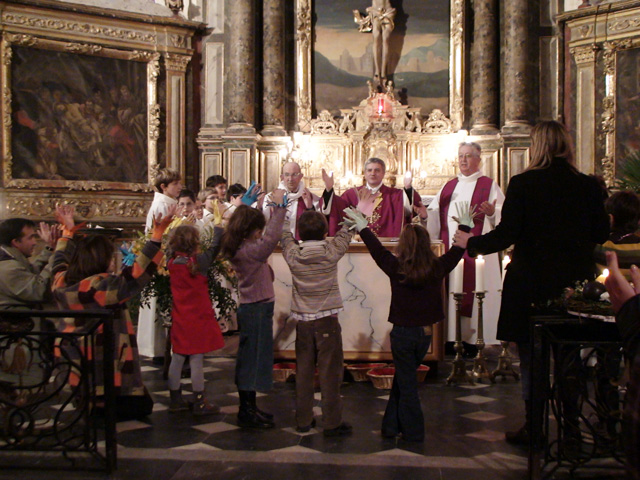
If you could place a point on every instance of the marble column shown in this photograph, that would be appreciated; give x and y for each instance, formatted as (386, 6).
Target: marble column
(273, 68)
(516, 54)
(240, 83)
(484, 68)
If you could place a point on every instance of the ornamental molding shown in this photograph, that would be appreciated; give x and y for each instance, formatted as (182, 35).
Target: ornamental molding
(84, 28)
(176, 63)
(584, 54)
(85, 209)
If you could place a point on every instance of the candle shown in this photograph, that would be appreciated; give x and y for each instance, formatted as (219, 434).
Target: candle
(603, 277)
(457, 277)
(480, 273)
(380, 106)
(505, 262)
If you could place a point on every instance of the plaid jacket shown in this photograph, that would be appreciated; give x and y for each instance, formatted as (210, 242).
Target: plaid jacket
(106, 290)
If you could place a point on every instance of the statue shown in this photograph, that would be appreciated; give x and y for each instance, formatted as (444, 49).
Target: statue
(379, 21)
(176, 6)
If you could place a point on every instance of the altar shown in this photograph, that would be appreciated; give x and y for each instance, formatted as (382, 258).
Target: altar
(366, 294)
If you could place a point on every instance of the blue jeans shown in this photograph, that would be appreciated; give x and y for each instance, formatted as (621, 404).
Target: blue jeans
(403, 414)
(254, 363)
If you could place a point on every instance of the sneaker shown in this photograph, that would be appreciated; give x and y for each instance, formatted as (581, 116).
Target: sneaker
(341, 430)
(307, 428)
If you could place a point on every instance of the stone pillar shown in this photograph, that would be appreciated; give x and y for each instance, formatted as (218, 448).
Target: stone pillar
(516, 54)
(484, 68)
(273, 68)
(240, 28)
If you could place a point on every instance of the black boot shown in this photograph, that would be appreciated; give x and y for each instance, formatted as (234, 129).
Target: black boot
(266, 415)
(248, 417)
(521, 436)
(177, 403)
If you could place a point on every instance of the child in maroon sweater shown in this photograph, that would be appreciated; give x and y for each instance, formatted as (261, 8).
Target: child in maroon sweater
(416, 276)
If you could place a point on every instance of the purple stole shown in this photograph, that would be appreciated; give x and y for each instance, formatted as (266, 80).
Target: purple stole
(390, 214)
(299, 211)
(480, 194)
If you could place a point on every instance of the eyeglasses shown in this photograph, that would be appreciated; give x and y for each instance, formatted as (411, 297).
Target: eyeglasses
(211, 198)
(291, 175)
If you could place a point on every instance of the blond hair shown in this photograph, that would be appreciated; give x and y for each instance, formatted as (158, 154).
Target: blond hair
(166, 176)
(550, 140)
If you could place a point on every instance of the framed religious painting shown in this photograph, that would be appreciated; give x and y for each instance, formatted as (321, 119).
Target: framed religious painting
(344, 49)
(82, 113)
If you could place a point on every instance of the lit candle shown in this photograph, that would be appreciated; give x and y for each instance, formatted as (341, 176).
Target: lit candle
(603, 277)
(480, 273)
(505, 262)
(380, 106)
(457, 277)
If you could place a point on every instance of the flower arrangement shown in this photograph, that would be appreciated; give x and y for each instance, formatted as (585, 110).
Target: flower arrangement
(588, 298)
(222, 279)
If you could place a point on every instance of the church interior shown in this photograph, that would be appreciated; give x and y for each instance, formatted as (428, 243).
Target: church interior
(99, 96)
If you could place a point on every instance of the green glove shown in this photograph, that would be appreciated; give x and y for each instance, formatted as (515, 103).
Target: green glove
(465, 214)
(355, 219)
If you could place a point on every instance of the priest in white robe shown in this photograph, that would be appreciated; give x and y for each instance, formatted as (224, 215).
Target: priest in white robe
(298, 196)
(472, 187)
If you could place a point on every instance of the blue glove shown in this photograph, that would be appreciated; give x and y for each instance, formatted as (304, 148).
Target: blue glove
(355, 219)
(128, 257)
(250, 197)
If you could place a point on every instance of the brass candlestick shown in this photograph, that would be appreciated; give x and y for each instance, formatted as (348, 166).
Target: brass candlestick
(459, 373)
(505, 366)
(480, 369)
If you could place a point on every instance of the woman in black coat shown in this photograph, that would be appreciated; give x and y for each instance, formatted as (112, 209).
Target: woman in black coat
(553, 215)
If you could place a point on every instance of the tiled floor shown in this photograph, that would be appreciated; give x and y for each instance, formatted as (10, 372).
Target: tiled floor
(465, 440)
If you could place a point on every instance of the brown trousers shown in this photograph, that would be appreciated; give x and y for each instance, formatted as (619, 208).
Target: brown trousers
(319, 342)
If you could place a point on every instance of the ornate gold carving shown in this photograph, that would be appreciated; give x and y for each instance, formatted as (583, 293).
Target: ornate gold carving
(325, 124)
(437, 123)
(456, 64)
(179, 41)
(304, 23)
(625, 24)
(153, 68)
(584, 54)
(608, 115)
(609, 171)
(303, 64)
(85, 209)
(585, 30)
(609, 54)
(22, 39)
(154, 121)
(176, 63)
(83, 48)
(78, 27)
(143, 55)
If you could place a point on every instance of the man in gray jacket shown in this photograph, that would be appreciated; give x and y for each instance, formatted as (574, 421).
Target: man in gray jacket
(24, 283)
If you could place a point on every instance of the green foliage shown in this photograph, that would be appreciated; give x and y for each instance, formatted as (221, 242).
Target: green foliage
(629, 173)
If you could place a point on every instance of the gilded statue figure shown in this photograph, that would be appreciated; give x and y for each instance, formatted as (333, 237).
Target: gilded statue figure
(378, 21)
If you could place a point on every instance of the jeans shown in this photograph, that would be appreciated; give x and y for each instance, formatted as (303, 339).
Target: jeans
(319, 341)
(254, 363)
(403, 414)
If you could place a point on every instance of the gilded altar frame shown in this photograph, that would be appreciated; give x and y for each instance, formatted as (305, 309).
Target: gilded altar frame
(161, 46)
(601, 91)
(304, 55)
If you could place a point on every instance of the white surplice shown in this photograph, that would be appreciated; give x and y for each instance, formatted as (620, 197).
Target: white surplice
(492, 269)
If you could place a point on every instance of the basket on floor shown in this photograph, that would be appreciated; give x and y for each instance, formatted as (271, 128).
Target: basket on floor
(422, 372)
(282, 371)
(382, 377)
(359, 370)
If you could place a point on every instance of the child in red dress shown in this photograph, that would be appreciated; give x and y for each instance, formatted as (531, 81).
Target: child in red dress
(194, 329)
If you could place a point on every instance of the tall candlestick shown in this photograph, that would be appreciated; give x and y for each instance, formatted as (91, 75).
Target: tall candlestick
(480, 273)
(458, 276)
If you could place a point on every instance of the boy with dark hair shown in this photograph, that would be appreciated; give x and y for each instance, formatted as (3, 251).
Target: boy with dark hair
(234, 194)
(187, 206)
(623, 209)
(315, 304)
(219, 183)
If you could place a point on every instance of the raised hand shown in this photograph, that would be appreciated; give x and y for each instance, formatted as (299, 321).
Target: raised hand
(488, 208)
(277, 196)
(64, 215)
(160, 223)
(355, 219)
(620, 290)
(328, 180)
(251, 195)
(421, 211)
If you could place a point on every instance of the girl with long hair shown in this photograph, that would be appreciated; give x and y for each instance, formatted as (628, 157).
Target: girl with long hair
(248, 249)
(84, 279)
(194, 328)
(416, 276)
